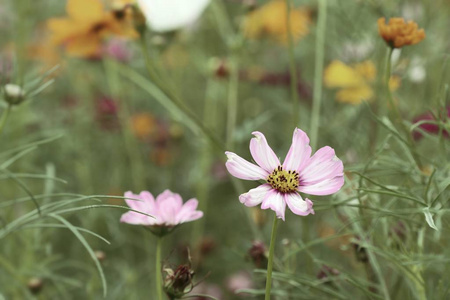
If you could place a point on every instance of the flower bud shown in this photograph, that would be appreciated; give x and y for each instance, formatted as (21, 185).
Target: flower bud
(35, 285)
(326, 271)
(257, 254)
(178, 282)
(13, 93)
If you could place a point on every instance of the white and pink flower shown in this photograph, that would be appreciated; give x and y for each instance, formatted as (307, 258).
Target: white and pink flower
(320, 174)
(168, 210)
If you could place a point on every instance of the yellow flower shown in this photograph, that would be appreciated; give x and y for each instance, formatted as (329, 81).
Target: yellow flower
(354, 82)
(87, 24)
(397, 33)
(143, 125)
(271, 20)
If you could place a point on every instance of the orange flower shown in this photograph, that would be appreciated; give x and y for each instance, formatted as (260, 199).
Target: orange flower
(87, 24)
(143, 125)
(271, 20)
(397, 33)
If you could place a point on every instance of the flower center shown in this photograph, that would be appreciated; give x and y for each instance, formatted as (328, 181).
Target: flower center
(283, 181)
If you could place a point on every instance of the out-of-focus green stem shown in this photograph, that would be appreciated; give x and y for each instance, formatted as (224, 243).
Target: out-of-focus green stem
(270, 259)
(158, 275)
(4, 117)
(232, 102)
(155, 77)
(318, 72)
(204, 157)
(292, 67)
(124, 114)
(398, 118)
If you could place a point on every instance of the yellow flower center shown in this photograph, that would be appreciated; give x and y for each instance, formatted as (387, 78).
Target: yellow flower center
(283, 181)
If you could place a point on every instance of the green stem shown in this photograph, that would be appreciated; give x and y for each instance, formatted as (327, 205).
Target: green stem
(270, 262)
(4, 117)
(232, 101)
(318, 72)
(158, 270)
(292, 68)
(398, 118)
(155, 77)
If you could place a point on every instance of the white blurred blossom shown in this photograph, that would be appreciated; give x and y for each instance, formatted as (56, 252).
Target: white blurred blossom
(167, 15)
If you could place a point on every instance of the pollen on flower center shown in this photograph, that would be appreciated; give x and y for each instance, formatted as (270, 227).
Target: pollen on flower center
(283, 181)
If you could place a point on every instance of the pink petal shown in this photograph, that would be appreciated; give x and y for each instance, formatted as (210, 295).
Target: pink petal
(325, 187)
(323, 165)
(299, 152)
(255, 196)
(275, 201)
(135, 218)
(169, 204)
(188, 212)
(135, 202)
(240, 168)
(297, 205)
(262, 153)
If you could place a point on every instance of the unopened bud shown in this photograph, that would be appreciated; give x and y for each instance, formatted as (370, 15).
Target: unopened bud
(35, 285)
(100, 255)
(14, 94)
(178, 282)
(257, 254)
(326, 271)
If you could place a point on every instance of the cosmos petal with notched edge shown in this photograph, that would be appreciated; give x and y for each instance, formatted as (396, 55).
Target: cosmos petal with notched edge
(299, 152)
(275, 201)
(297, 205)
(255, 196)
(241, 168)
(326, 187)
(262, 153)
(323, 165)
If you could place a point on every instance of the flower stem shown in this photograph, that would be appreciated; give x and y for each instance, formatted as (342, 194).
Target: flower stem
(398, 118)
(159, 291)
(318, 71)
(174, 99)
(232, 101)
(292, 68)
(270, 262)
(4, 117)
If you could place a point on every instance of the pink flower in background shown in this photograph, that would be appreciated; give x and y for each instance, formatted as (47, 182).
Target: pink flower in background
(239, 281)
(430, 128)
(118, 49)
(320, 174)
(106, 113)
(168, 210)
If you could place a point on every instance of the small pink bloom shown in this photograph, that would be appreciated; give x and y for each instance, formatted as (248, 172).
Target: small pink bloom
(430, 128)
(118, 49)
(320, 174)
(239, 281)
(168, 210)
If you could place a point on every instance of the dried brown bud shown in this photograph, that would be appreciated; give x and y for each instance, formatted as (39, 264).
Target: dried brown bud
(178, 282)
(257, 254)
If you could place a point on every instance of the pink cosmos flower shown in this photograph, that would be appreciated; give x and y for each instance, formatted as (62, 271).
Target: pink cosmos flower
(320, 174)
(168, 210)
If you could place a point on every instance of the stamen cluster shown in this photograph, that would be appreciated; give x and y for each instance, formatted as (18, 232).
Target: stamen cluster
(283, 181)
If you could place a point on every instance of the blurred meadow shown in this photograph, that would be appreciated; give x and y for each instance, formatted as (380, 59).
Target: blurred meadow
(101, 97)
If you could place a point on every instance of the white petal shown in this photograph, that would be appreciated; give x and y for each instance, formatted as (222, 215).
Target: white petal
(255, 196)
(240, 168)
(297, 205)
(275, 201)
(167, 15)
